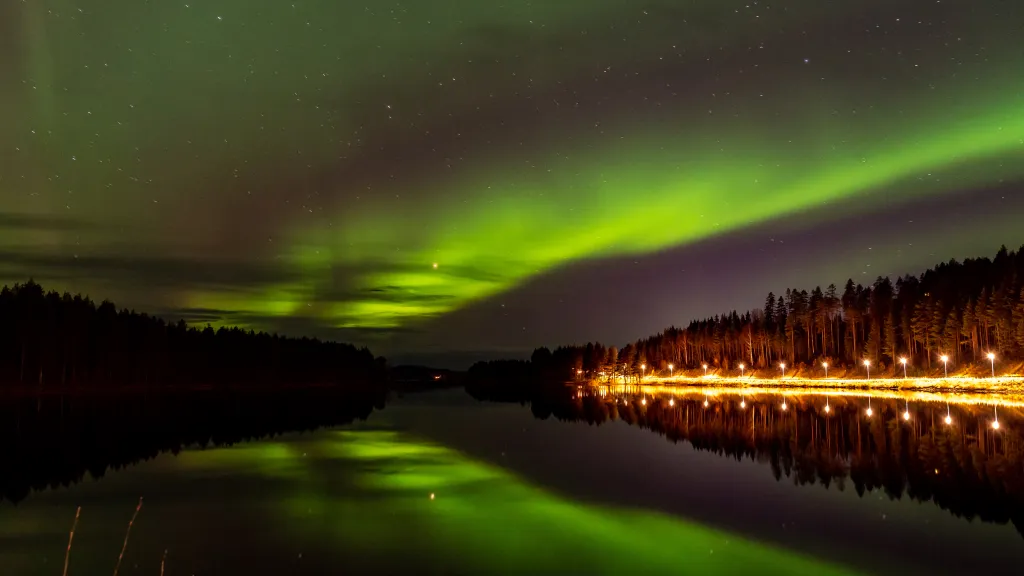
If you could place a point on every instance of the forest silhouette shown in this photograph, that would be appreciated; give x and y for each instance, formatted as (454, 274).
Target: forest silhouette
(59, 342)
(961, 310)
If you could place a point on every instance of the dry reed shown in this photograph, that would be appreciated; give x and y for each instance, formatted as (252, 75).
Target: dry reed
(67, 555)
(126, 535)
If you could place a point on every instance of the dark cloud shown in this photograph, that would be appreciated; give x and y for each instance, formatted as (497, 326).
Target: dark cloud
(33, 222)
(172, 273)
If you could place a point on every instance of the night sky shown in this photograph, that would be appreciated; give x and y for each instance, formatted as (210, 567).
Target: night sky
(447, 179)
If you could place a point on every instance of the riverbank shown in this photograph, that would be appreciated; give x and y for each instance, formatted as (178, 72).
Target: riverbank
(1007, 384)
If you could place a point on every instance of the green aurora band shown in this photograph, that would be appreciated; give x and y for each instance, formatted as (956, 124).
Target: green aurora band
(635, 198)
(728, 153)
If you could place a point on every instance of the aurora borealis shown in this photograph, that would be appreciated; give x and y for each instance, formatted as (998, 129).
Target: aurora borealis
(575, 170)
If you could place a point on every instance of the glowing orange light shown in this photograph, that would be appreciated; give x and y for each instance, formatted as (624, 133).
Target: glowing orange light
(906, 415)
(949, 420)
(995, 425)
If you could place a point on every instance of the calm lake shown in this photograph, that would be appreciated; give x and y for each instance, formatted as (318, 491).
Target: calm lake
(574, 482)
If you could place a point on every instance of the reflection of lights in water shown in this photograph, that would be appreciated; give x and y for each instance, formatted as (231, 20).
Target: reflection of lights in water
(965, 399)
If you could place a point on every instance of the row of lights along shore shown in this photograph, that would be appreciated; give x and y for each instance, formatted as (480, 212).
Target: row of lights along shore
(867, 365)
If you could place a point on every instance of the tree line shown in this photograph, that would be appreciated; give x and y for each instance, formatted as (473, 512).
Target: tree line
(960, 310)
(52, 341)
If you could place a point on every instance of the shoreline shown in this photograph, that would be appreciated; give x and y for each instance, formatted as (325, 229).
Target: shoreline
(998, 384)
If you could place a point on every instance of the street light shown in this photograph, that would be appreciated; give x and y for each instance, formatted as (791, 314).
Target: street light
(867, 364)
(705, 369)
(783, 366)
(670, 367)
(945, 365)
(825, 365)
(992, 359)
(741, 370)
(904, 362)
(643, 370)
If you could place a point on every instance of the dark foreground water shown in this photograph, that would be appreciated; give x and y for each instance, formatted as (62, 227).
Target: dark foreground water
(439, 483)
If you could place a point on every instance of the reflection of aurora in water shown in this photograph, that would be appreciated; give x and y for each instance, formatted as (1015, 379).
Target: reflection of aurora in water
(359, 500)
(415, 499)
(932, 447)
(341, 499)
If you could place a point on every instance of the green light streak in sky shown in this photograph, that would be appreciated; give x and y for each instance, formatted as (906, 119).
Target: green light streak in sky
(649, 193)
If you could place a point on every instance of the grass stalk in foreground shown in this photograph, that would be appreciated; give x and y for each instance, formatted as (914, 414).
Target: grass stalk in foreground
(67, 554)
(128, 533)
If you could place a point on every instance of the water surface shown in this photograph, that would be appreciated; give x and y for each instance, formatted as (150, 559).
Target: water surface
(611, 483)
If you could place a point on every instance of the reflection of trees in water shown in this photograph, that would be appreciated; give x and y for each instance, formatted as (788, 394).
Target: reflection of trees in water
(47, 442)
(967, 467)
